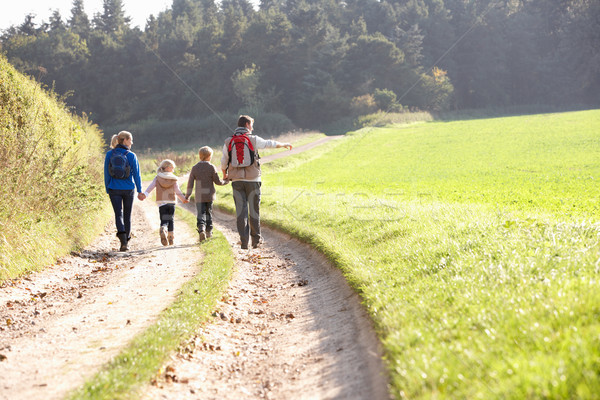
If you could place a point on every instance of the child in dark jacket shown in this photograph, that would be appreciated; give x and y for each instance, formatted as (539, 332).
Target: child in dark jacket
(205, 176)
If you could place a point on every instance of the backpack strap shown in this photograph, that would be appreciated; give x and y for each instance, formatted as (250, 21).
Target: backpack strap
(229, 151)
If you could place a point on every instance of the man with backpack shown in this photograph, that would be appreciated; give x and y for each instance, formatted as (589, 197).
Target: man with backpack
(240, 164)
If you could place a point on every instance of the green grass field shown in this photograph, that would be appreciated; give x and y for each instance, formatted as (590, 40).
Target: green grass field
(474, 244)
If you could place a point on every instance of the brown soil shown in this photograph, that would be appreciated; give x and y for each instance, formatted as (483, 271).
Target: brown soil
(288, 328)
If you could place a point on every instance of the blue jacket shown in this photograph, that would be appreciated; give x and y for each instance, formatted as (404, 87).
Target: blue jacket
(134, 180)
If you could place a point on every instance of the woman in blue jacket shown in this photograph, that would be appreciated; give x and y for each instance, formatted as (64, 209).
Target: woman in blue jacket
(121, 179)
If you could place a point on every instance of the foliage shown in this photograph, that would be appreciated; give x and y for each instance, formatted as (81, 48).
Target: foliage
(245, 85)
(364, 104)
(308, 60)
(475, 248)
(50, 170)
(198, 59)
(385, 99)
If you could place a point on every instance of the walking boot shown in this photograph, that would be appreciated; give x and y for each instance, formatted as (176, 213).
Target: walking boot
(123, 239)
(171, 238)
(202, 235)
(163, 235)
(208, 233)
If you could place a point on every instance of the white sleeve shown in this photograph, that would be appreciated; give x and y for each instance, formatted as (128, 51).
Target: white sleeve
(266, 144)
(225, 158)
(150, 187)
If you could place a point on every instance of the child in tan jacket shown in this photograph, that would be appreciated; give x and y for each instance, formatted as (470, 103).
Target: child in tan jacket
(205, 176)
(167, 190)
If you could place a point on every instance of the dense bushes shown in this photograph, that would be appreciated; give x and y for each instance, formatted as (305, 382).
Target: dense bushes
(50, 175)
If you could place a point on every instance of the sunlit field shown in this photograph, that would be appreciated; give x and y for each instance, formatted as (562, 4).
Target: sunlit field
(475, 245)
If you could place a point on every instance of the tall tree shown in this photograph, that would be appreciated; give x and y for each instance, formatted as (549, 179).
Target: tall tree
(56, 23)
(112, 19)
(79, 23)
(28, 27)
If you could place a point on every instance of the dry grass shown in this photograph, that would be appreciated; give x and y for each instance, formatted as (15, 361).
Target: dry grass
(50, 175)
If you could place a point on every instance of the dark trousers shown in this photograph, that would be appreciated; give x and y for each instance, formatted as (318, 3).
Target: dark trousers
(167, 216)
(246, 196)
(204, 216)
(122, 203)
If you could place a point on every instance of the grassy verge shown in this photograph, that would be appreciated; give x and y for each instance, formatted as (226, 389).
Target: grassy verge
(52, 198)
(143, 358)
(474, 244)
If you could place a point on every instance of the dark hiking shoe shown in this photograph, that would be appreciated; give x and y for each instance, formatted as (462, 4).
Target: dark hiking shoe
(256, 245)
(123, 239)
(171, 237)
(202, 236)
(163, 235)
(208, 234)
(244, 246)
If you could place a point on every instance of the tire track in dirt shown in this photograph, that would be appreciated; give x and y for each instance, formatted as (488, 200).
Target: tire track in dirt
(289, 328)
(59, 326)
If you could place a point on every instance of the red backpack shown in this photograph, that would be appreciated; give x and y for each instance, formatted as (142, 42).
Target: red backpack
(241, 151)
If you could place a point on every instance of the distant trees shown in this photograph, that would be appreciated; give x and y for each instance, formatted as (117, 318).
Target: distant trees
(523, 52)
(314, 61)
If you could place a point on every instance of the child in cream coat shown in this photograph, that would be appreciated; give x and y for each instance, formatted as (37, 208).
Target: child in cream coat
(167, 190)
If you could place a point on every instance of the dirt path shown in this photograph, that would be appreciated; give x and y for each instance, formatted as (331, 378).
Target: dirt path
(59, 326)
(289, 327)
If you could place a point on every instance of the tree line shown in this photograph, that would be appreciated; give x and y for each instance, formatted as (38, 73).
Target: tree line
(313, 61)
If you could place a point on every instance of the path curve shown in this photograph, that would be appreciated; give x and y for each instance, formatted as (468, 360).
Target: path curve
(289, 327)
